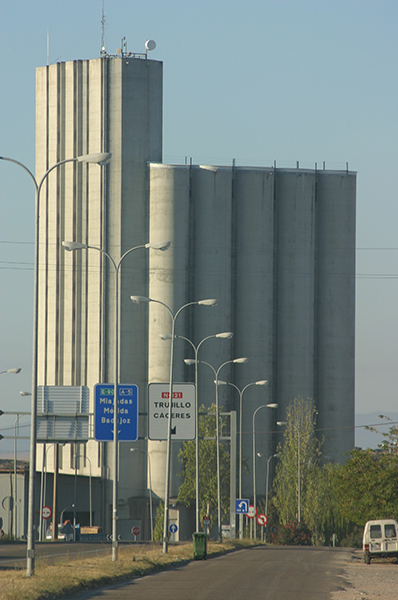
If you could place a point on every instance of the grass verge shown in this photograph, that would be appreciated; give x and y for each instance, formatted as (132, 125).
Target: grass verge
(69, 577)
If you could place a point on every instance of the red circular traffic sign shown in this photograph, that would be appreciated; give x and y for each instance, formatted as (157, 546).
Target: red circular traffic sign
(46, 512)
(262, 520)
(136, 530)
(252, 512)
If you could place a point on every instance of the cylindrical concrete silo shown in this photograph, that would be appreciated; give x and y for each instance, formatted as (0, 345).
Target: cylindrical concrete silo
(211, 276)
(295, 264)
(169, 283)
(336, 312)
(254, 313)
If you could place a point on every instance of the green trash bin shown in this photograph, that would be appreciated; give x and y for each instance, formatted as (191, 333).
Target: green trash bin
(199, 546)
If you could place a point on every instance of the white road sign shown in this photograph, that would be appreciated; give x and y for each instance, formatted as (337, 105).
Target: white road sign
(182, 415)
(252, 512)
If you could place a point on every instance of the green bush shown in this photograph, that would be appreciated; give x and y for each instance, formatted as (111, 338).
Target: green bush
(292, 534)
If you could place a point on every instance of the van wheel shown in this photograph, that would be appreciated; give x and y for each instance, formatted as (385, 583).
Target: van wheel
(366, 558)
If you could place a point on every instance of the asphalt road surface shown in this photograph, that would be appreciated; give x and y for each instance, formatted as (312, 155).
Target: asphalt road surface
(266, 573)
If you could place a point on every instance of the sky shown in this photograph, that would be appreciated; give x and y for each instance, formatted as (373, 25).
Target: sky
(257, 81)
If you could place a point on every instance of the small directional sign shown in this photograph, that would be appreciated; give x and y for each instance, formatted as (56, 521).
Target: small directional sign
(173, 528)
(242, 506)
(128, 412)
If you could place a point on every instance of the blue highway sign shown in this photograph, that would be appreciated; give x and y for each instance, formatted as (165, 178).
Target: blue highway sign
(128, 412)
(242, 506)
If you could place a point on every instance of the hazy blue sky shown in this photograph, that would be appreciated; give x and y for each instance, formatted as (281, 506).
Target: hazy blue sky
(258, 81)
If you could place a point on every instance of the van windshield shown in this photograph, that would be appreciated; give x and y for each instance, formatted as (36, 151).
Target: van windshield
(375, 531)
(390, 531)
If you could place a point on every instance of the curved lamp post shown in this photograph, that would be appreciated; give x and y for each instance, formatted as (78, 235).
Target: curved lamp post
(241, 391)
(272, 405)
(138, 300)
(90, 494)
(280, 424)
(266, 490)
(224, 336)
(101, 158)
(71, 246)
(11, 371)
(216, 372)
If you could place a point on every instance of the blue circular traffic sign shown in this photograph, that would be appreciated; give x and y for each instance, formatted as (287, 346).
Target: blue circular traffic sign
(173, 528)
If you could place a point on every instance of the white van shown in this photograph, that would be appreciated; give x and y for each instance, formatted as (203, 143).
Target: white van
(380, 539)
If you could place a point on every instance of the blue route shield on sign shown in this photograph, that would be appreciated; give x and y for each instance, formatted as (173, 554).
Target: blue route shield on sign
(127, 413)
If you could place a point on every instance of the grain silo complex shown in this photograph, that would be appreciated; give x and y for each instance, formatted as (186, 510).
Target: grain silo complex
(275, 246)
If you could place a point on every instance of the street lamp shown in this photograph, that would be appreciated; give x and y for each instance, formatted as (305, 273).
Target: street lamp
(150, 486)
(90, 495)
(208, 302)
(101, 159)
(272, 405)
(227, 335)
(62, 513)
(43, 490)
(236, 361)
(11, 371)
(266, 490)
(70, 246)
(280, 424)
(261, 382)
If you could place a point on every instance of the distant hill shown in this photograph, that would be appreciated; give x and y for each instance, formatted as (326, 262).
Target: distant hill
(7, 464)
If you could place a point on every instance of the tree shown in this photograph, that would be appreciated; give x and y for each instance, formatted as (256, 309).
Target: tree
(207, 468)
(390, 441)
(367, 486)
(300, 430)
(159, 523)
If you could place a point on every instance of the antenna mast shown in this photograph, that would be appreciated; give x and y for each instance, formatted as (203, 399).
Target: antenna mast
(103, 52)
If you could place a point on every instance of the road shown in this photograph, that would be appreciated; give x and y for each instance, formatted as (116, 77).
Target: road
(269, 573)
